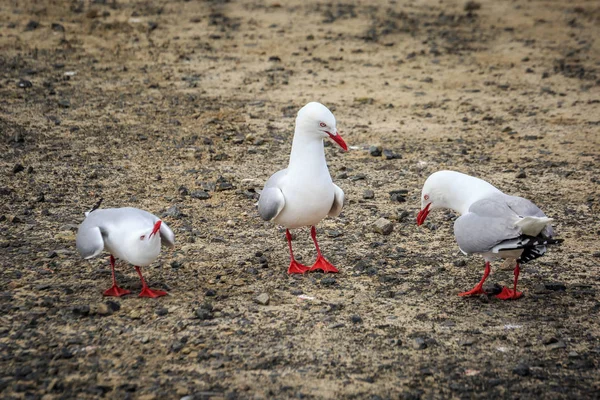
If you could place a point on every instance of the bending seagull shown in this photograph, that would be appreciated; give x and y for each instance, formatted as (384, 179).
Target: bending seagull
(128, 233)
(492, 223)
(303, 193)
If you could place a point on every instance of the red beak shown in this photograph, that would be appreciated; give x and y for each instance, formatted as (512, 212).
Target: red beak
(423, 214)
(156, 228)
(338, 139)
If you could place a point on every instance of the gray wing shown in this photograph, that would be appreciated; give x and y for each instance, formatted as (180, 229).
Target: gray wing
(166, 235)
(525, 208)
(487, 223)
(271, 200)
(338, 201)
(89, 240)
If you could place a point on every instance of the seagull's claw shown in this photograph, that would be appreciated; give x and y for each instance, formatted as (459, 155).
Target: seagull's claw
(116, 291)
(147, 292)
(297, 268)
(509, 294)
(323, 265)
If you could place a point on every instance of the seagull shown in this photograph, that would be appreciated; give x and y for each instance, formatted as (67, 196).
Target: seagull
(303, 193)
(127, 233)
(493, 224)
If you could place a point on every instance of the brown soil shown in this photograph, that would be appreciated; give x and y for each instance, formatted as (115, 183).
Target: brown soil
(145, 103)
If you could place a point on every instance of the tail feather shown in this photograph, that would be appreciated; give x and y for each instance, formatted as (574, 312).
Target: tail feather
(532, 226)
(95, 207)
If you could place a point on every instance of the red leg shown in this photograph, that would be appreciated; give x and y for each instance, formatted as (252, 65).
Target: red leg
(321, 262)
(295, 267)
(115, 290)
(478, 289)
(511, 294)
(146, 291)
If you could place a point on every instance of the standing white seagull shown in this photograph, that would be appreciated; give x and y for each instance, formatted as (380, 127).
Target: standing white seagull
(492, 223)
(128, 233)
(303, 193)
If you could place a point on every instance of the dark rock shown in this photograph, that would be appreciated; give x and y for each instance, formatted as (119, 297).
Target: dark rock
(356, 319)
(557, 345)
(210, 293)
(522, 370)
(375, 151)
(472, 6)
(328, 281)
(368, 194)
(24, 84)
(162, 311)
(398, 195)
(57, 27)
(460, 263)
(64, 103)
(173, 211)
(200, 194)
(555, 286)
(419, 343)
(521, 174)
(82, 310)
(32, 25)
(223, 184)
(183, 191)
(113, 305)
(390, 155)
(18, 168)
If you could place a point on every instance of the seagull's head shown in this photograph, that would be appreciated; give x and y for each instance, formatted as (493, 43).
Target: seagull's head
(433, 195)
(145, 245)
(316, 120)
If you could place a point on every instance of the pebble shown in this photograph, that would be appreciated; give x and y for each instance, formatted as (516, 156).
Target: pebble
(368, 194)
(356, 319)
(222, 184)
(32, 25)
(263, 299)
(64, 103)
(399, 195)
(210, 293)
(200, 194)
(390, 155)
(555, 286)
(522, 370)
(521, 174)
(419, 344)
(375, 151)
(103, 309)
(173, 211)
(18, 168)
(24, 84)
(383, 226)
(162, 311)
(558, 345)
(328, 281)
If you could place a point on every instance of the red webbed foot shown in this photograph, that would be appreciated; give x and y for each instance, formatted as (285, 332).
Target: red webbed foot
(147, 292)
(116, 291)
(509, 294)
(297, 268)
(477, 290)
(324, 265)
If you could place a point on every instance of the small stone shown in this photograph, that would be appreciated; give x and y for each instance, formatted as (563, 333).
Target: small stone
(390, 155)
(419, 344)
(263, 299)
(222, 184)
(210, 293)
(200, 194)
(203, 314)
(368, 194)
(183, 190)
(522, 370)
(162, 311)
(24, 84)
(555, 286)
(51, 254)
(472, 6)
(328, 281)
(460, 263)
(18, 168)
(558, 345)
(82, 310)
(573, 354)
(383, 226)
(64, 103)
(173, 211)
(32, 25)
(356, 319)
(113, 305)
(57, 27)
(375, 151)
(145, 339)
(398, 195)
(103, 309)
(521, 174)
(466, 342)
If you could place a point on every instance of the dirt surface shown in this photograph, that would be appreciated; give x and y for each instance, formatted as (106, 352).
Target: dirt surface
(184, 108)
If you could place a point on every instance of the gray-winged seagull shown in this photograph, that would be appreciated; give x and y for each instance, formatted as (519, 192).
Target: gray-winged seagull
(492, 223)
(128, 233)
(303, 193)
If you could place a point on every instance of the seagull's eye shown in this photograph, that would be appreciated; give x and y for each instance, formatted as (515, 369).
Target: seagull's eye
(322, 125)
(142, 237)
(426, 197)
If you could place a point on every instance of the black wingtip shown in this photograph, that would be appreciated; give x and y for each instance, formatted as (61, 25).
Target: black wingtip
(97, 205)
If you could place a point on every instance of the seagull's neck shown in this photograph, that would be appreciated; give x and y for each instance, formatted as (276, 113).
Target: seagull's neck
(308, 154)
(460, 193)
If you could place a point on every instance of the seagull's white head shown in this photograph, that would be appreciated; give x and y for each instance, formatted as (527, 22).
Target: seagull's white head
(143, 245)
(314, 119)
(432, 195)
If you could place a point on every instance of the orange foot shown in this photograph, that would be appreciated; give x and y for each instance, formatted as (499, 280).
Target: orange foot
(324, 265)
(297, 268)
(509, 294)
(147, 292)
(116, 291)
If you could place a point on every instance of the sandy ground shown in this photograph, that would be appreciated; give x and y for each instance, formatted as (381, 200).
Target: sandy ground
(158, 105)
